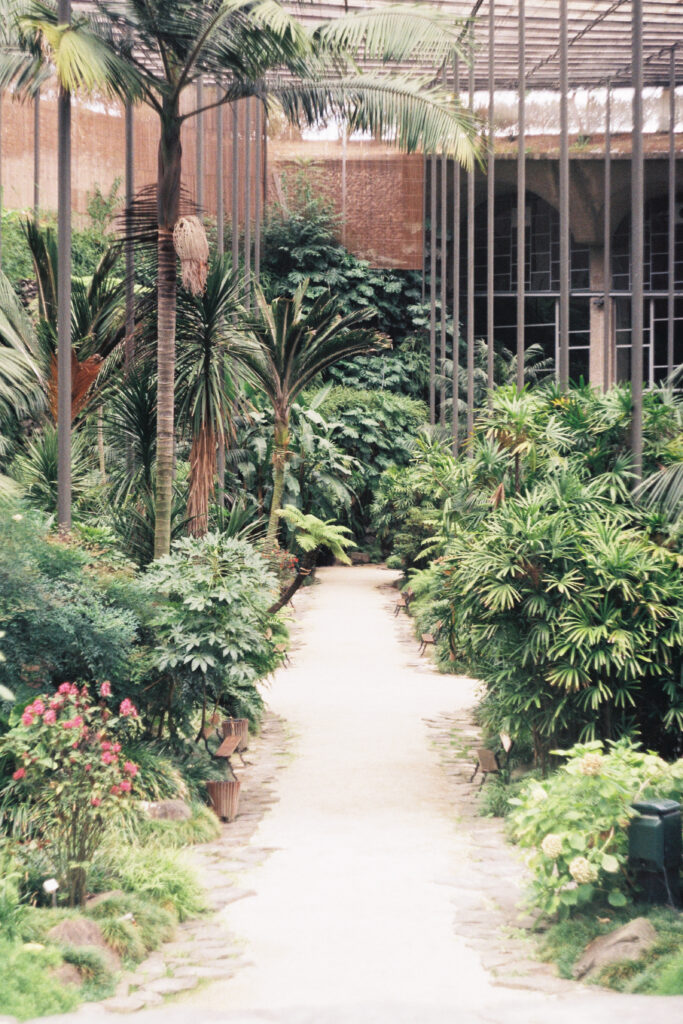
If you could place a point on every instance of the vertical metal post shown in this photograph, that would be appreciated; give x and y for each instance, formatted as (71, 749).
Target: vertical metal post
(670, 312)
(64, 295)
(607, 236)
(444, 278)
(1, 97)
(424, 226)
(257, 193)
(456, 280)
(470, 265)
(235, 213)
(247, 201)
(36, 155)
(220, 202)
(129, 348)
(637, 237)
(264, 161)
(343, 184)
(490, 206)
(199, 191)
(565, 270)
(521, 191)
(432, 289)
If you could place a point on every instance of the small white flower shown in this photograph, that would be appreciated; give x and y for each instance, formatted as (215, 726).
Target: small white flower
(50, 885)
(591, 764)
(552, 845)
(17, 518)
(582, 871)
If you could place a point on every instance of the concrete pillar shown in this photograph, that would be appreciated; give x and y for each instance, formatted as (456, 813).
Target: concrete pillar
(597, 319)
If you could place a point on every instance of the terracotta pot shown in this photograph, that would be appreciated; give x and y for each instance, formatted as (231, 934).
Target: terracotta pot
(237, 727)
(225, 798)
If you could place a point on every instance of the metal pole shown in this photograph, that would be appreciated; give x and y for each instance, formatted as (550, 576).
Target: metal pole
(199, 191)
(490, 208)
(264, 182)
(607, 235)
(220, 211)
(470, 265)
(521, 192)
(257, 193)
(64, 296)
(432, 289)
(36, 155)
(343, 185)
(670, 313)
(637, 239)
(129, 348)
(1, 94)
(444, 279)
(456, 279)
(235, 214)
(247, 201)
(565, 278)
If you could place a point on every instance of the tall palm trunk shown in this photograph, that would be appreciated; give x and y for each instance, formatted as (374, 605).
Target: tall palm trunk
(168, 200)
(280, 455)
(202, 476)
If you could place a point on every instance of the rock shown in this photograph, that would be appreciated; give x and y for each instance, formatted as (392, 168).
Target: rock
(82, 931)
(124, 1004)
(66, 974)
(102, 897)
(360, 558)
(169, 986)
(626, 943)
(166, 810)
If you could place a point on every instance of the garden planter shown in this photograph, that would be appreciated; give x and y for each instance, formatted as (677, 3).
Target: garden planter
(225, 798)
(237, 727)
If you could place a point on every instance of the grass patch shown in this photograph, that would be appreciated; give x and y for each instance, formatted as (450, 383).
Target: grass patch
(27, 987)
(202, 827)
(134, 926)
(155, 872)
(98, 980)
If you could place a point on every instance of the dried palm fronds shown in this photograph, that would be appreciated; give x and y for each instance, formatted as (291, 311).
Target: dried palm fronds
(192, 246)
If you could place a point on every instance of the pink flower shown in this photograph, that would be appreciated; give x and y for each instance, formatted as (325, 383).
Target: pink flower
(50, 717)
(19, 774)
(125, 786)
(88, 768)
(106, 745)
(37, 707)
(27, 717)
(67, 688)
(95, 801)
(130, 768)
(74, 745)
(115, 790)
(128, 709)
(108, 758)
(116, 748)
(68, 724)
(77, 722)
(57, 702)
(105, 689)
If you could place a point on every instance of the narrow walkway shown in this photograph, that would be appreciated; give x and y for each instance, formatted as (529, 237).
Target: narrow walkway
(351, 922)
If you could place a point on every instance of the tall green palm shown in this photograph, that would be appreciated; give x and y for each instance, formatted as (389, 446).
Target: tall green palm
(204, 387)
(286, 350)
(154, 50)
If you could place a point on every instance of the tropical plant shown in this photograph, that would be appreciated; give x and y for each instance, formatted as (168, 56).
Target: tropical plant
(311, 536)
(215, 636)
(286, 349)
(71, 775)
(153, 52)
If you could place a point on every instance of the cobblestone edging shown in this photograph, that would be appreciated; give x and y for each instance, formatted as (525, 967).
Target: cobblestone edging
(203, 949)
(487, 886)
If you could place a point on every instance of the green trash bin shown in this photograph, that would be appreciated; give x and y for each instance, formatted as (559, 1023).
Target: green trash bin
(655, 849)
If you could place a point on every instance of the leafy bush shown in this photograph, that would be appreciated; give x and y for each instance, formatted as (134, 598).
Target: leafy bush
(70, 776)
(154, 872)
(27, 988)
(215, 637)
(575, 823)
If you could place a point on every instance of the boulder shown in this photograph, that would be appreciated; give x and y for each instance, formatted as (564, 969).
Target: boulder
(626, 943)
(66, 974)
(81, 931)
(166, 810)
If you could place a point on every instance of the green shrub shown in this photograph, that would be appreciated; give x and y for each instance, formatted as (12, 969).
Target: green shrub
(153, 923)
(98, 978)
(575, 823)
(12, 910)
(154, 872)
(27, 988)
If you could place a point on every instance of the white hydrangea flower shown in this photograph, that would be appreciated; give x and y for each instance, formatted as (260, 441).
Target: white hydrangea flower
(582, 871)
(591, 764)
(552, 845)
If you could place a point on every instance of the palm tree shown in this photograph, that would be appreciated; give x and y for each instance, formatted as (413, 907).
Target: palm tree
(286, 350)
(204, 391)
(153, 51)
(311, 536)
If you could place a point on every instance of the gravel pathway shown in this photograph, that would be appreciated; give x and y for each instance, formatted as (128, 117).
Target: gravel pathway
(372, 881)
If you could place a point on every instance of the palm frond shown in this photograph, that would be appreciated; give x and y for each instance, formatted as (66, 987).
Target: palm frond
(395, 33)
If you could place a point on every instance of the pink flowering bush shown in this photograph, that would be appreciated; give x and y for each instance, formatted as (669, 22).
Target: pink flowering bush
(71, 774)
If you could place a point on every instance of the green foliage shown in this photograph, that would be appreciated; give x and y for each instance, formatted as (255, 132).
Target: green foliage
(202, 827)
(312, 534)
(153, 923)
(27, 988)
(215, 636)
(575, 823)
(70, 776)
(155, 872)
(12, 910)
(88, 245)
(375, 428)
